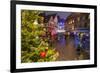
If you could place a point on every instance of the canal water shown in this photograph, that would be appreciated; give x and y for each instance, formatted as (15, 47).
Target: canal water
(67, 47)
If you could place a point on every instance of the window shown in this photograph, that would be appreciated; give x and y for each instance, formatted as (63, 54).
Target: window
(78, 19)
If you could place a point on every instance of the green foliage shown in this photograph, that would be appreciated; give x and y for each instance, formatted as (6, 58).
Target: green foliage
(28, 30)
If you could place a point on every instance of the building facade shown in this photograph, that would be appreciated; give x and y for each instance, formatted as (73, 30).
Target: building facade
(77, 21)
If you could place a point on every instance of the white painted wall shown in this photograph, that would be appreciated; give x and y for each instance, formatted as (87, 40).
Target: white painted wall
(5, 36)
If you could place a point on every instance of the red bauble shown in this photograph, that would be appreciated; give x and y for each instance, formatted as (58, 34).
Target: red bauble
(43, 54)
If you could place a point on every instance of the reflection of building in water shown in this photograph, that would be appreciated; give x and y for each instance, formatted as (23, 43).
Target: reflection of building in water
(77, 20)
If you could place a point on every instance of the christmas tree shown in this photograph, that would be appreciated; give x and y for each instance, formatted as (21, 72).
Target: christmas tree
(34, 42)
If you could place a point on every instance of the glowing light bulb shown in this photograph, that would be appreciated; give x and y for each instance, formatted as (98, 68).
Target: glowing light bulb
(35, 22)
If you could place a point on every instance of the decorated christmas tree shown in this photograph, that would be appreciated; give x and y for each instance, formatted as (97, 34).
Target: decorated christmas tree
(34, 42)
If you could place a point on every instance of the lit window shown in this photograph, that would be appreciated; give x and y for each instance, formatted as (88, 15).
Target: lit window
(72, 27)
(78, 18)
(69, 22)
(73, 21)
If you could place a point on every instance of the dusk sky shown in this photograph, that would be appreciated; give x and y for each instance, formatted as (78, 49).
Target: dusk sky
(61, 14)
